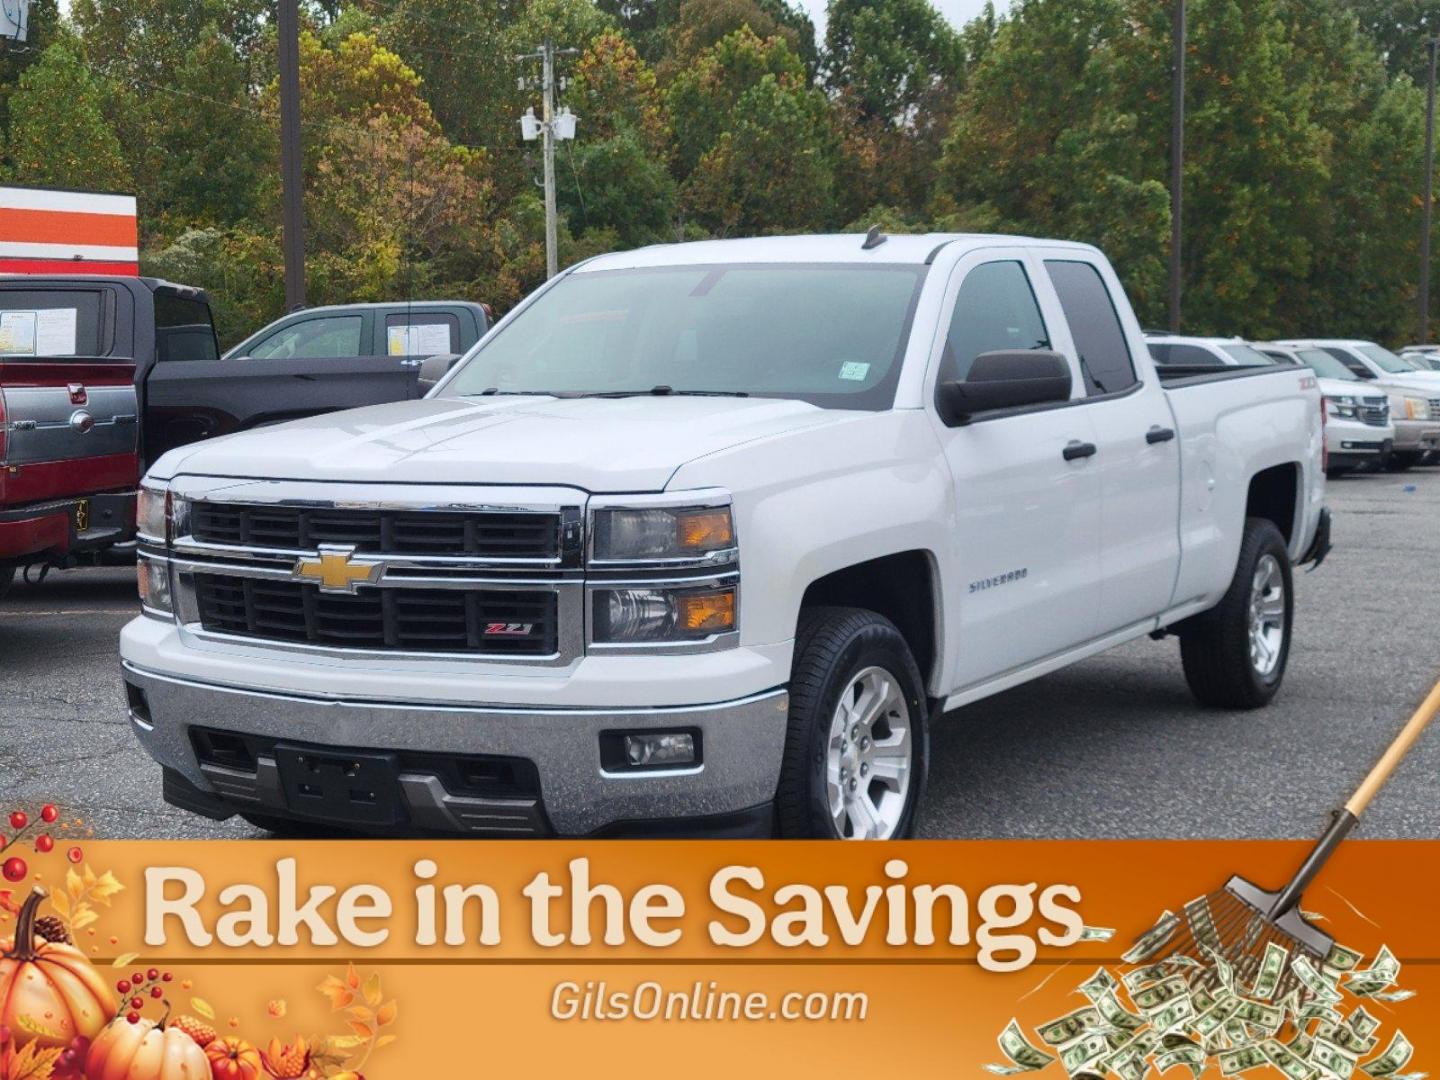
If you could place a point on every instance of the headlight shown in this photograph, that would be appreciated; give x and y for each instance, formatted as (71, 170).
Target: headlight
(656, 616)
(152, 516)
(154, 581)
(702, 534)
(1341, 405)
(1409, 408)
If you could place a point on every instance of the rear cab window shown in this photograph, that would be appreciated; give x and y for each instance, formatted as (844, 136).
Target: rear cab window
(421, 333)
(1104, 354)
(1187, 355)
(41, 324)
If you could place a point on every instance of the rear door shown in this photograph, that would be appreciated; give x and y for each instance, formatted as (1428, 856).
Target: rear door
(1137, 459)
(68, 414)
(308, 364)
(420, 333)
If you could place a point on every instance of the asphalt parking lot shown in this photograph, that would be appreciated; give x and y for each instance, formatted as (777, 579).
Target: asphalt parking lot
(1113, 747)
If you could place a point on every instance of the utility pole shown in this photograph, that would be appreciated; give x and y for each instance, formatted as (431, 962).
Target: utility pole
(1431, 46)
(1177, 157)
(292, 177)
(552, 126)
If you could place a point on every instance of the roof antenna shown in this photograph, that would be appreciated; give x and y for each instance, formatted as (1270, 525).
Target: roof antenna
(873, 239)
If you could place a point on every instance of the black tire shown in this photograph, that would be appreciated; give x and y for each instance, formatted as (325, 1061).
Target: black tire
(832, 647)
(1215, 646)
(1403, 460)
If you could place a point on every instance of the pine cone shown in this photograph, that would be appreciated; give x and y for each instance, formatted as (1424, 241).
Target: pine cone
(52, 929)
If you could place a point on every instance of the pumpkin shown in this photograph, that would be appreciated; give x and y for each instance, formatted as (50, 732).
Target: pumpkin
(49, 993)
(145, 1051)
(233, 1059)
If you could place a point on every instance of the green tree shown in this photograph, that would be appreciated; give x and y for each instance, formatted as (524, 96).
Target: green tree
(58, 133)
(1400, 29)
(42, 27)
(889, 57)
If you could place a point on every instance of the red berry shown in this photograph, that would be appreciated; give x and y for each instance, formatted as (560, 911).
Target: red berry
(137, 1003)
(166, 977)
(44, 843)
(157, 992)
(123, 986)
(138, 978)
(49, 814)
(15, 869)
(133, 1017)
(152, 974)
(19, 819)
(75, 854)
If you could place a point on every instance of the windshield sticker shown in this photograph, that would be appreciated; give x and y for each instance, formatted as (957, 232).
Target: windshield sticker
(854, 371)
(17, 333)
(419, 339)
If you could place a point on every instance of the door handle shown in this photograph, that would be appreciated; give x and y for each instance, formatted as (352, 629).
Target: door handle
(1159, 435)
(1077, 450)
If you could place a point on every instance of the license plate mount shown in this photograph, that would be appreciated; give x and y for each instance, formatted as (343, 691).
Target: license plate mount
(352, 787)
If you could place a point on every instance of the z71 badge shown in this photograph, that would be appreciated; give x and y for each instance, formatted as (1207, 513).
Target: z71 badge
(509, 629)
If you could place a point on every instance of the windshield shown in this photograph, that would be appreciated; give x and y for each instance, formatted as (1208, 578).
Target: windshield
(1384, 359)
(830, 335)
(1245, 356)
(1325, 365)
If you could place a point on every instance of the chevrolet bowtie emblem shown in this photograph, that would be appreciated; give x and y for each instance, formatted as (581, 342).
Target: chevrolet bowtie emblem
(338, 571)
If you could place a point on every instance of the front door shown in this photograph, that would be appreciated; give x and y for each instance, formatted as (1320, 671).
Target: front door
(1027, 492)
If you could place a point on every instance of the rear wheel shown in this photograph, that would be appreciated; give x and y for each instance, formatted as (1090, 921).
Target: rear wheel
(857, 748)
(1235, 654)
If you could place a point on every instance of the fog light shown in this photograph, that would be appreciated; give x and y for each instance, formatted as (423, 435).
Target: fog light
(661, 748)
(154, 581)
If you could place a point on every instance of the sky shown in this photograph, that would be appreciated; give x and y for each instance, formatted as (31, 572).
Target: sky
(958, 12)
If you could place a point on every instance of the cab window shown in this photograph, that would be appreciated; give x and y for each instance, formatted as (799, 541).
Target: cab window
(995, 309)
(1094, 325)
(44, 323)
(313, 339)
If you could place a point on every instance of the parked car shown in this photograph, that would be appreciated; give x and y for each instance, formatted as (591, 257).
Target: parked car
(1424, 357)
(1358, 429)
(1414, 395)
(1175, 351)
(701, 536)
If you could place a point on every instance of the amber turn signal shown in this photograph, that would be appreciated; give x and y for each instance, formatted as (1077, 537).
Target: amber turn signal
(705, 530)
(708, 612)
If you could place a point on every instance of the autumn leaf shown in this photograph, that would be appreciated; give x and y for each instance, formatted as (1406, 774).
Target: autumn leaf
(384, 1040)
(386, 1013)
(28, 1023)
(365, 1031)
(339, 994)
(360, 1012)
(73, 884)
(372, 990)
(343, 1042)
(83, 917)
(33, 1063)
(203, 1007)
(124, 959)
(106, 887)
(352, 977)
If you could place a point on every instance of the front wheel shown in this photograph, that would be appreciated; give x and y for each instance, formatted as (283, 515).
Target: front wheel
(857, 748)
(1235, 654)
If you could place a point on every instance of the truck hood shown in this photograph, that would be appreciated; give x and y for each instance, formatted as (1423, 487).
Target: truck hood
(598, 444)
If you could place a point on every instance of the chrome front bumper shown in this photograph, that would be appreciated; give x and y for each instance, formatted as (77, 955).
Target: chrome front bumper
(742, 746)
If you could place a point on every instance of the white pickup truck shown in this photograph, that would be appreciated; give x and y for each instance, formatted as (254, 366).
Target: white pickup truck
(700, 539)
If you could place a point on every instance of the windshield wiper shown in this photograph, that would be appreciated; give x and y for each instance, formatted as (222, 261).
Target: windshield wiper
(662, 391)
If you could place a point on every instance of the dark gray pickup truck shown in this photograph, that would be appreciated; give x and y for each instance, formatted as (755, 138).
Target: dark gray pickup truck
(315, 361)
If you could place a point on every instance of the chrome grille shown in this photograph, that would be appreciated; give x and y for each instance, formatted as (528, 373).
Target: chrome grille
(489, 534)
(1374, 411)
(492, 622)
(1434, 408)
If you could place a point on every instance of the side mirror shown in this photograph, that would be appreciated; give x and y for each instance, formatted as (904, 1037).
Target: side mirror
(435, 368)
(1006, 379)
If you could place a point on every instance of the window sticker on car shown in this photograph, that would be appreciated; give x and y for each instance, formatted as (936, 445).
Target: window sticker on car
(47, 332)
(418, 339)
(854, 371)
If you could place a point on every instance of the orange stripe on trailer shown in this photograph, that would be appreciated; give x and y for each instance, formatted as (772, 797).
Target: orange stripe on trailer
(65, 227)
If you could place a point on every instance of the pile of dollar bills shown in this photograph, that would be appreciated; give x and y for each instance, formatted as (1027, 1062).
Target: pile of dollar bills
(1195, 1011)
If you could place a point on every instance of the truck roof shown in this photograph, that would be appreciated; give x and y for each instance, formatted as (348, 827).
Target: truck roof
(125, 281)
(372, 305)
(1301, 343)
(833, 248)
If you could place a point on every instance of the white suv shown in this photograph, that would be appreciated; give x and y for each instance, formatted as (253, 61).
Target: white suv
(1358, 428)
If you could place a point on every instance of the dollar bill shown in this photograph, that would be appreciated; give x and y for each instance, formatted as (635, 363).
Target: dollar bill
(1391, 996)
(1267, 1017)
(1287, 1061)
(1149, 973)
(1023, 1057)
(1302, 1044)
(1342, 959)
(1202, 923)
(1223, 971)
(1346, 1038)
(1381, 973)
(1361, 1022)
(1097, 985)
(1313, 981)
(1154, 939)
(1097, 933)
(1069, 1027)
(1083, 1052)
(1396, 1056)
(1241, 1059)
(1214, 1018)
(1173, 1015)
(1334, 1060)
(1116, 1015)
(1191, 1056)
(1162, 993)
(1272, 966)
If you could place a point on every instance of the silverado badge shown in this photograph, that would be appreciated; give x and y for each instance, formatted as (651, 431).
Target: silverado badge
(338, 571)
